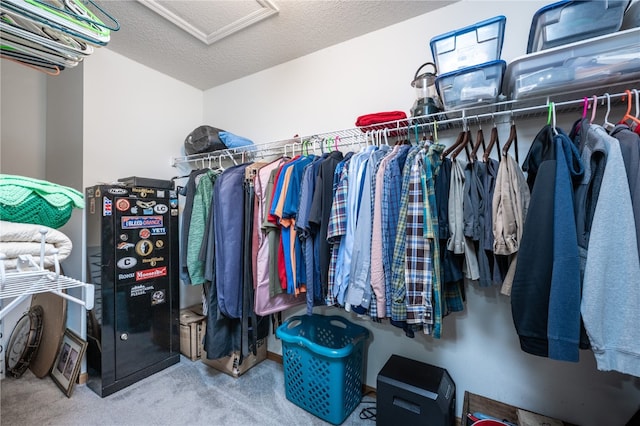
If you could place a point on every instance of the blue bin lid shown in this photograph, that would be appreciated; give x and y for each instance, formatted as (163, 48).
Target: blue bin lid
(500, 19)
(568, 21)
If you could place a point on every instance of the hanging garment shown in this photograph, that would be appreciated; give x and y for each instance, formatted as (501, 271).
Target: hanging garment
(357, 181)
(490, 175)
(459, 243)
(266, 302)
(431, 233)
(365, 232)
(452, 277)
(510, 206)
(378, 277)
(291, 243)
(320, 211)
(547, 273)
(337, 228)
(223, 334)
(630, 147)
(594, 158)
(391, 194)
(249, 317)
(610, 294)
(274, 218)
(197, 239)
(308, 242)
(188, 191)
(531, 283)
(471, 212)
(359, 291)
(398, 288)
(284, 251)
(277, 272)
(418, 257)
(563, 330)
(228, 229)
(476, 228)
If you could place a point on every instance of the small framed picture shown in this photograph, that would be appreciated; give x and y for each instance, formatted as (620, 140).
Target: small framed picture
(67, 364)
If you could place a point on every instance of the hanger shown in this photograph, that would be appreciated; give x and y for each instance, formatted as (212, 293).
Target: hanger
(51, 70)
(493, 140)
(479, 141)
(607, 124)
(513, 138)
(453, 147)
(594, 106)
(627, 115)
(466, 140)
(220, 166)
(435, 131)
(585, 107)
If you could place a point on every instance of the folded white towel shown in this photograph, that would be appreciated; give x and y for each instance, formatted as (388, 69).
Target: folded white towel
(22, 238)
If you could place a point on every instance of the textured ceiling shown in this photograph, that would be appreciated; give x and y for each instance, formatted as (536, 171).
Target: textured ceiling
(208, 43)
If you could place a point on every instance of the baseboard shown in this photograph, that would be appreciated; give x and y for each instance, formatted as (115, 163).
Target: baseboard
(274, 357)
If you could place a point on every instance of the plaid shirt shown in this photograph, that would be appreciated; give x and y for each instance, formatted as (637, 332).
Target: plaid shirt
(391, 194)
(337, 224)
(418, 262)
(398, 289)
(431, 231)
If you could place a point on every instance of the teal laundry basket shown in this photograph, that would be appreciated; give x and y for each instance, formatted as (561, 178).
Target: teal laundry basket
(323, 364)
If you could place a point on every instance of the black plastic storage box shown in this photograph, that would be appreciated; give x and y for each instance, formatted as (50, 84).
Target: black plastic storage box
(410, 392)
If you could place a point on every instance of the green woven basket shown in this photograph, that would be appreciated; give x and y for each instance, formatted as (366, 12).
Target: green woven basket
(28, 200)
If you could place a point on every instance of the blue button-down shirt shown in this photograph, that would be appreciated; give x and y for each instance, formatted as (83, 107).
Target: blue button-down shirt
(355, 182)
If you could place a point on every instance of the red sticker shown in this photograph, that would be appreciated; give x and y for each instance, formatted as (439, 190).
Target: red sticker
(144, 233)
(147, 274)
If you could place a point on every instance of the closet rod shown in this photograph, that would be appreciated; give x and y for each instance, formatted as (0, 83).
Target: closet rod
(403, 125)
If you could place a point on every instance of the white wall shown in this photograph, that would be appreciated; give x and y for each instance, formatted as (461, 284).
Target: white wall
(135, 122)
(23, 120)
(328, 90)
(22, 141)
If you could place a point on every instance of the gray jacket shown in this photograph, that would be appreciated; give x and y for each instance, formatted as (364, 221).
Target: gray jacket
(610, 294)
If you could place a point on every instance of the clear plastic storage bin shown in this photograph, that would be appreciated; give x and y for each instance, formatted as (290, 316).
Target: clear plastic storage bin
(567, 21)
(322, 358)
(470, 86)
(468, 46)
(598, 62)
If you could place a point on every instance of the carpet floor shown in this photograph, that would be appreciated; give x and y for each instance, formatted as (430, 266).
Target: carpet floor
(187, 393)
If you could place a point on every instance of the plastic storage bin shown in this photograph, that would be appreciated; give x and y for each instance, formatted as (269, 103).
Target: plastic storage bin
(598, 62)
(480, 84)
(323, 362)
(566, 22)
(472, 45)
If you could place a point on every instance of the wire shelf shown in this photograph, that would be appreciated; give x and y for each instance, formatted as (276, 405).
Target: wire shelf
(511, 110)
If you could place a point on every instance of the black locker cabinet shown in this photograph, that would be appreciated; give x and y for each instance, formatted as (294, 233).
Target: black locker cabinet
(132, 259)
